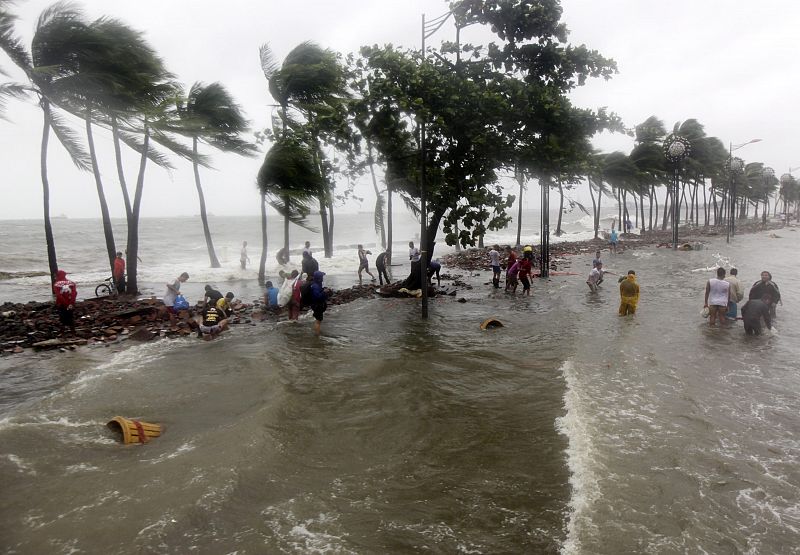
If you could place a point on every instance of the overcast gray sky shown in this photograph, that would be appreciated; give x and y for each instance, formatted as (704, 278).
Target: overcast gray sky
(731, 65)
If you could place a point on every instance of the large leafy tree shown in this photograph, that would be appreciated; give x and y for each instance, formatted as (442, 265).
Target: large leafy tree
(210, 115)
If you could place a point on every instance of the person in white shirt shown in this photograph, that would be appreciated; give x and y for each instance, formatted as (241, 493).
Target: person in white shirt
(243, 258)
(718, 294)
(494, 259)
(413, 252)
(595, 277)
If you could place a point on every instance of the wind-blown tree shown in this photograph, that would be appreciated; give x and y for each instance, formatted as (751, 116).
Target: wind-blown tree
(211, 116)
(9, 42)
(57, 36)
(648, 156)
(311, 82)
(289, 180)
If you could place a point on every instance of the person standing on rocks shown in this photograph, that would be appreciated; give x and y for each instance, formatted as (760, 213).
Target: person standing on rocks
(381, 262)
(66, 293)
(173, 290)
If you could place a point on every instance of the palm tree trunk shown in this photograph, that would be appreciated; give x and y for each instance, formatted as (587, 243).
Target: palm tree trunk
(286, 227)
(378, 198)
(595, 213)
(331, 221)
(389, 220)
(263, 262)
(108, 231)
(212, 256)
(559, 232)
(323, 216)
(132, 253)
(667, 204)
(641, 208)
(120, 172)
(48, 229)
(521, 180)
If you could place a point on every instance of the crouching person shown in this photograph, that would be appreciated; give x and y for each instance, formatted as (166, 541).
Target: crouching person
(753, 312)
(214, 323)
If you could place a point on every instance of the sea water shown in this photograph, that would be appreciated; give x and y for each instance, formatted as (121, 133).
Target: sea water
(568, 430)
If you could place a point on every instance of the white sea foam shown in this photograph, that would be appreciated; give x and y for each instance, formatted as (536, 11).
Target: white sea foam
(583, 480)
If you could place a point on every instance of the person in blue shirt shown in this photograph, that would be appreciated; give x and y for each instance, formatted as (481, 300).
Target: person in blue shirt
(319, 300)
(271, 296)
(613, 240)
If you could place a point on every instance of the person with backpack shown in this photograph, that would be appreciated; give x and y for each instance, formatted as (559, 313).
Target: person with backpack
(66, 293)
(319, 300)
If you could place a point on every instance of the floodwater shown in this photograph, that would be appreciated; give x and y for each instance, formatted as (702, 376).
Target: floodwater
(568, 430)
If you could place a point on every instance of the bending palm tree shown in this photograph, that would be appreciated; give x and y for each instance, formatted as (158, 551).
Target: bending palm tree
(50, 61)
(211, 115)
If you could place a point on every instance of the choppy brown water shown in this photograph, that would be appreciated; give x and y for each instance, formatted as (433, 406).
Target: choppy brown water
(569, 429)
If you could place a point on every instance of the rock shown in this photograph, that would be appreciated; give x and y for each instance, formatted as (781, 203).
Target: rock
(17, 350)
(462, 300)
(142, 334)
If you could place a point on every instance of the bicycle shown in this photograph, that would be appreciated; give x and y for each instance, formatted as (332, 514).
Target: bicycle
(106, 289)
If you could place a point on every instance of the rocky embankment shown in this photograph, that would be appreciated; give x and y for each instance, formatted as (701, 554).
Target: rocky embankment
(113, 319)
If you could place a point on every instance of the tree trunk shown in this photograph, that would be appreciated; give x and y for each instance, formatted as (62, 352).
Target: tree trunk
(323, 216)
(212, 255)
(48, 229)
(108, 231)
(389, 220)
(286, 227)
(132, 253)
(559, 231)
(120, 173)
(331, 221)
(521, 180)
(263, 262)
(641, 207)
(378, 197)
(595, 212)
(667, 205)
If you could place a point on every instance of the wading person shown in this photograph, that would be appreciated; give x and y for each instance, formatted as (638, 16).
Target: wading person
(753, 312)
(525, 269)
(319, 300)
(363, 263)
(66, 292)
(737, 293)
(243, 258)
(309, 265)
(766, 290)
(613, 241)
(511, 260)
(595, 261)
(628, 294)
(717, 296)
(494, 261)
(594, 277)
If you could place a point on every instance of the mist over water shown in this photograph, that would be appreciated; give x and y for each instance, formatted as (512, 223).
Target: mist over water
(568, 430)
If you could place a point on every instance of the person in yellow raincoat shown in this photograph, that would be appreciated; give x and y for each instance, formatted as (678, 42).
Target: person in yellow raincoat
(628, 294)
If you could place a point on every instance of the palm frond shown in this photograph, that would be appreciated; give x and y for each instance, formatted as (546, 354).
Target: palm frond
(69, 139)
(411, 205)
(268, 64)
(10, 91)
(9, 42)
(297, 217)
(380, 203)
(178, 148)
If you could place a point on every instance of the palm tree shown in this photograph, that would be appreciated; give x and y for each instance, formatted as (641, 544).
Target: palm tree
(288, 180)
(312, 82)
(51, 59)
(212, 116)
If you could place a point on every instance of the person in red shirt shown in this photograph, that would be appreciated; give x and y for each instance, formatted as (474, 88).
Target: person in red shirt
(66, 292)
(525, 269)
(512, 259)
(119, 273)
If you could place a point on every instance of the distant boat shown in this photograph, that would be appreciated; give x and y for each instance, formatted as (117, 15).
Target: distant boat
(59, 217)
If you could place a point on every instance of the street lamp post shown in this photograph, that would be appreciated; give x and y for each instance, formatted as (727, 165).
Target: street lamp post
(735, 165)
(676, 149)
(767, 174)
(786, 181)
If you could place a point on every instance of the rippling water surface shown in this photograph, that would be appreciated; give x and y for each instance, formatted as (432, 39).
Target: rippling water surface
(568, 430)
